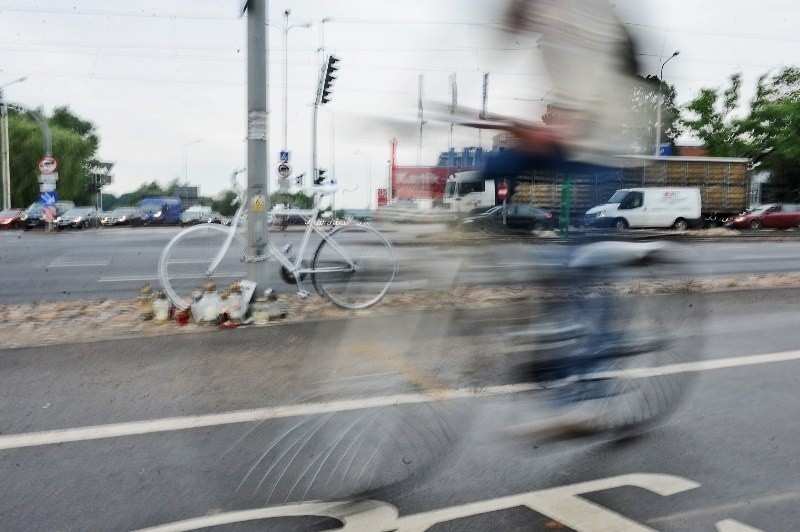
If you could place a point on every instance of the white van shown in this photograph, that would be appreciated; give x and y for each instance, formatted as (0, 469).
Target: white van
(679, 208)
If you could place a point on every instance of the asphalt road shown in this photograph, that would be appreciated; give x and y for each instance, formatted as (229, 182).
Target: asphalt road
(114, 263)
(124, 435)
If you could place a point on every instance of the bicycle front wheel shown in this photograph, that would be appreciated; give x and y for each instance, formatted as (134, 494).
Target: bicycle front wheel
(354, 267)
(186, 262)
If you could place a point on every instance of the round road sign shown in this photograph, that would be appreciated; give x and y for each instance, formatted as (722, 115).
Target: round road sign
(48, 164)
(284, 170)
(502, 192)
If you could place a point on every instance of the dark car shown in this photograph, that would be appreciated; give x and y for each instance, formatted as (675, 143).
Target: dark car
(215, 218)
(12, 219)
(518, 218)
(78, 218)
(123, 216)
(35, 215)
(771, 216)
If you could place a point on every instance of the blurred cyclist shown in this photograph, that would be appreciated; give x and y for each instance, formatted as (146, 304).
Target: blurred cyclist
(591, 62)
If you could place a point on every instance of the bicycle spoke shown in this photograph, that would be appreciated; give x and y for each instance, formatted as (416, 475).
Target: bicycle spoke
(195, 256)
(354, 267)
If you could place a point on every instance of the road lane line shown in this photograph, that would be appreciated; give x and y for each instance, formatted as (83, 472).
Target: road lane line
(135, 428)
(792, 497)
(78, 264)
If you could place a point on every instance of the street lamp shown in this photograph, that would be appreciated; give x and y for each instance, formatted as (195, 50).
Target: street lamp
(186, 161)
(369, 161)
(661, 102)
(286, 28)
(4, 148)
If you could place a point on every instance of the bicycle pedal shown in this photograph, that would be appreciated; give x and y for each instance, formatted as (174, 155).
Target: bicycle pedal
(285, 249)
(302, 294)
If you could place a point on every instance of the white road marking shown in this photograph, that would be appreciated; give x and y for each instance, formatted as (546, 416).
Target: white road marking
(125, 279)
(732, 525)
(562, 504)
(115, 430)
(791, 498)
(77, 264)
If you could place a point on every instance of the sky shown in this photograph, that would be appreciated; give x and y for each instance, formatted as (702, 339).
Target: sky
(164, 81)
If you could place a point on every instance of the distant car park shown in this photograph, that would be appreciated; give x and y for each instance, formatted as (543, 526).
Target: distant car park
(12, 219)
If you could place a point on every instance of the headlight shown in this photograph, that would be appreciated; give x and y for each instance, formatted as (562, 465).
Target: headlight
(601, 214)
(23, 217)
(123, 218)
(739, 219)
(156, 215)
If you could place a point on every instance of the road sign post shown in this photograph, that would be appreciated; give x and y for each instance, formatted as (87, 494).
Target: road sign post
(502, 194)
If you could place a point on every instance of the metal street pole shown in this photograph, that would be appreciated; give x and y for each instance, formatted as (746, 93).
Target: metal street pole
(186, 160)
(4, 148)
(661, 103)
(257, 139)
(369, 162)
(286, 28)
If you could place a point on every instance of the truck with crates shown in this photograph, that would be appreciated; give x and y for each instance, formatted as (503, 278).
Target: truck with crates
(724, 184)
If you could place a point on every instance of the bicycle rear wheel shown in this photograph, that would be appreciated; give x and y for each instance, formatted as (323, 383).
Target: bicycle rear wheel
(186, 261)
(354, 268)
(647, 346)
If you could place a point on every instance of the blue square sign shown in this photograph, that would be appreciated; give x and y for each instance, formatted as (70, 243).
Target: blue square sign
(48, 198)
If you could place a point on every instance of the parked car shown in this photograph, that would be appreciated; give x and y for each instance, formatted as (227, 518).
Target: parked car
(33, 214)
(123, 216)
(519, 218)
(196, 214)
(12, 219)
(78, 218)
(161, 210)
(214, 218)
(770, 216)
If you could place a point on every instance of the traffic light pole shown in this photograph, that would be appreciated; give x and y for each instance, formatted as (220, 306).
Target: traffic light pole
(314, 142)
(324, 88)
(257, 140)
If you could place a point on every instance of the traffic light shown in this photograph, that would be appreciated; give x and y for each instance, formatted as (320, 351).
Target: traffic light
(327, 84)
(320, 176)
(298, 180)
(91, 185)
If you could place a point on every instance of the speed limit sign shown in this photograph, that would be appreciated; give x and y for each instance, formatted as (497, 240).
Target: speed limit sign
(284, 170)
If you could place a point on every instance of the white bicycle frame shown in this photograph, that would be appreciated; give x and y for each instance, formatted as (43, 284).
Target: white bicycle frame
(295, 268)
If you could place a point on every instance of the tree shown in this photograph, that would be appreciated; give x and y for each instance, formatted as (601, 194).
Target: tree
(296, 199)
(223, 203)
(146, 189)
(74, 144)
(774, 128)
(710, 116)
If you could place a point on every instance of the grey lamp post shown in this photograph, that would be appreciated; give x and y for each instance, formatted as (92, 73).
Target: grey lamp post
(286, 28)
(186, 161)
(369, 162)
(5, 154)
(661, 102)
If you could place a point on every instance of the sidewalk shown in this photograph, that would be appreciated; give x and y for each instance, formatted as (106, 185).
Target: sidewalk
(61, 322)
